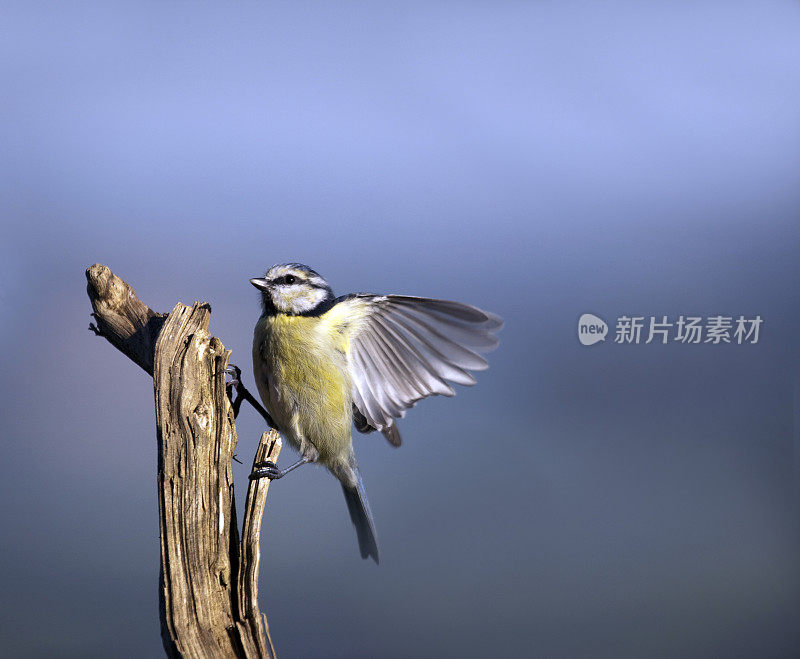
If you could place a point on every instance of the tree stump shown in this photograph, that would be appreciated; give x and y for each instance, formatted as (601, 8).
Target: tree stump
(208, 593)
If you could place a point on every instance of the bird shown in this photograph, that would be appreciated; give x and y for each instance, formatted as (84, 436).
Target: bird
(324, 364)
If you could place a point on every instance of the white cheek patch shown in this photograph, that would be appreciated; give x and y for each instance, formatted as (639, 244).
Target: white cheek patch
(298, 300)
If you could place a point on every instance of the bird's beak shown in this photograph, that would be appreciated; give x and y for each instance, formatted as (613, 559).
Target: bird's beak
(260, 284)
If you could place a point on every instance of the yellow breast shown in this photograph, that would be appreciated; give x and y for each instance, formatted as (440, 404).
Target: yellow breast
(307, 368)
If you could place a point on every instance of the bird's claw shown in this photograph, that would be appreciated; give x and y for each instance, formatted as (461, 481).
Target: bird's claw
(235, 375)
(267, 469)
(233, 383)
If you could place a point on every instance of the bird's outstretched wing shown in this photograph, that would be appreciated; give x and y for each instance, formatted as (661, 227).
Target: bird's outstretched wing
(401, 349)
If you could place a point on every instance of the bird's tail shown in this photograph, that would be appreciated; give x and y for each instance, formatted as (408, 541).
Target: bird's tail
(361, 516)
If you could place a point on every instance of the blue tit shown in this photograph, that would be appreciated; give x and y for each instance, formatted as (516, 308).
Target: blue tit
(323, 364)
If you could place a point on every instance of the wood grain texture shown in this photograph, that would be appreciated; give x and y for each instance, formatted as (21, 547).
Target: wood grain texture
(268, 449)
(122, 318)
(209, 579)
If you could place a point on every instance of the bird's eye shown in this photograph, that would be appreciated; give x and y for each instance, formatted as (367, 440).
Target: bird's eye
(291, 279)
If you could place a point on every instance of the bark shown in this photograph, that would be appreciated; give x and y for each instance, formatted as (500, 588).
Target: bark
(209, 579)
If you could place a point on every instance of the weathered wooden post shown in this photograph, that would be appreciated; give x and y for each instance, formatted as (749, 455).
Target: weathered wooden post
(208, 591)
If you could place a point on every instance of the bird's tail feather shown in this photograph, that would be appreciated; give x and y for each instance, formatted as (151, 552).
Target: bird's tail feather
(361, 516)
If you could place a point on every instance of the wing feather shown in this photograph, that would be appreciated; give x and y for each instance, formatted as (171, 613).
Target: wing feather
(401, 349)
(394, 366)
(404, 360)
(444, 346)
(421, 369)
(443, 366)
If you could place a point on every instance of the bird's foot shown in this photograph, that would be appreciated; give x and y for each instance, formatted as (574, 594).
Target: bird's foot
(234, 376)
(267, 469)
(234, 383)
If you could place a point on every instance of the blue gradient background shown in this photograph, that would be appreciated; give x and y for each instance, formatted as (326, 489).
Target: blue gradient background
(540, 160)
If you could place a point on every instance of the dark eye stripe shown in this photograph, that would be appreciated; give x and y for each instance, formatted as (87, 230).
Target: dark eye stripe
(289, 280)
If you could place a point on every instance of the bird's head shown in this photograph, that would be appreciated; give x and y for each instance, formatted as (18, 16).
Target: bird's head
(294, 289)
